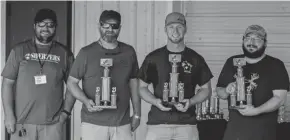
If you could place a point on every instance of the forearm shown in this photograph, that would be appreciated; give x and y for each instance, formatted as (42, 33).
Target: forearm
(200, 96)
(8, 99)
(271, 105)
(221, 92)
(136, 100)
(147, 95)
(77, 92)
(69, 101)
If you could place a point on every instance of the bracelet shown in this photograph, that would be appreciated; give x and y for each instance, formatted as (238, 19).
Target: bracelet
(66, 112)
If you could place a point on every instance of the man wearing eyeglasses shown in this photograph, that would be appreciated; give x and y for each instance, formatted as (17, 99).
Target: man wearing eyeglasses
(266, 78)
(99, 123)
(37, 68)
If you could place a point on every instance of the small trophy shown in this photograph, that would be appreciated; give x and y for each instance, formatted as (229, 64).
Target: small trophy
(105, 97)
(173, 92)
(281, 112)
(240, 96)
(209, 110)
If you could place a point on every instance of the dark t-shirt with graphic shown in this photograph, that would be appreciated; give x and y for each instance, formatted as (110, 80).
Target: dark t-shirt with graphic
(125, 67)
(192, 70)
(262, 78)
(38, 104)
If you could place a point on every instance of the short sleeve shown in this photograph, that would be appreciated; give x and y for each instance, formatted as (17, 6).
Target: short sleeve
(78, 68)
(69, 63)
(205, 73)
(227, 74)
(135, 66)
(10, 70)
(280, 78)
(147, 71)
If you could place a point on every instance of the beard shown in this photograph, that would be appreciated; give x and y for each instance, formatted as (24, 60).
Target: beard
(256, 54)
(44, 39)
(109, 37)
(175, 41)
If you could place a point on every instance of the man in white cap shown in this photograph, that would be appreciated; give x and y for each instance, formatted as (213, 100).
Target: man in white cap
(266, 79)
(175, 122)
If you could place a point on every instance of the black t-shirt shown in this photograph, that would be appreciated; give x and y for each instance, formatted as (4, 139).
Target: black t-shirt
(192, 70)
(263, 77)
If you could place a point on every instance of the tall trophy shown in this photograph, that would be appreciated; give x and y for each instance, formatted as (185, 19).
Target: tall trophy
(106, 97)
(240, 97)
(173, 92)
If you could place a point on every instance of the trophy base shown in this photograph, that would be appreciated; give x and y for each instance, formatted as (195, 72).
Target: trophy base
(106, 107)
(236, 107)
(171, 104)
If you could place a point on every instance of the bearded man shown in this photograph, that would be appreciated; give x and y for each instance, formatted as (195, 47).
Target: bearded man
(99, 123)
(266, 79)
(38, 69)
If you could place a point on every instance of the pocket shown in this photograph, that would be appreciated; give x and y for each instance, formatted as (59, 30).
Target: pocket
(22, 66)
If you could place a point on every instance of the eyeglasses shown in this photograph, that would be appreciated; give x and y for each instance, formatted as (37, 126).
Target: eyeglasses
(48, 24)
(259, 40)
(107, 25)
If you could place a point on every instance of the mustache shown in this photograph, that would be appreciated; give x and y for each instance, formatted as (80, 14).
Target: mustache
(252, 46)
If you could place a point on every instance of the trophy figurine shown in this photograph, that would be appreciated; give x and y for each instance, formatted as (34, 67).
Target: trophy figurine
(281, 112)
(173, 92)
(199, 112)
(240, 95)
(105, 97)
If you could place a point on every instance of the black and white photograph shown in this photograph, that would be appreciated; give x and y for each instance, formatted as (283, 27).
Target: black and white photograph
(145, 70)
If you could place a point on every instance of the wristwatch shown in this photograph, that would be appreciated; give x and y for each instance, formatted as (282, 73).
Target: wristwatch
(67, 113)
(137, 117)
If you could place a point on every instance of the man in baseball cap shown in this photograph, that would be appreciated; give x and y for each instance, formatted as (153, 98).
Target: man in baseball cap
(101, 123)
(38, 68)
(266, 80)
(174, 121)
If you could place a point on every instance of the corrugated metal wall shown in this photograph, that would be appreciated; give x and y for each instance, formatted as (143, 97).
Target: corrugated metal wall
(215, 30)
(142, 27)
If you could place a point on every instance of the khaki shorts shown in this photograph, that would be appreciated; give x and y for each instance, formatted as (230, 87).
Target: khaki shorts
(172, 132)
(40, 132)
(97, 132)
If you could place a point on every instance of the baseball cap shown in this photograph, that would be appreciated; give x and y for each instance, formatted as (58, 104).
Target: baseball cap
(256, 29)
(43, 14)
(175, 17)
(110, 14)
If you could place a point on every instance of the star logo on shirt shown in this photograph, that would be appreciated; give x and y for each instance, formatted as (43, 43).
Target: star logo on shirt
(186, 66)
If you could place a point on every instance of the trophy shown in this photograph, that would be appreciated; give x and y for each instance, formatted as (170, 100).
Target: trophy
(239, 97)
(105, 97)
(209, 109)
(281, 112)
(173, 92)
